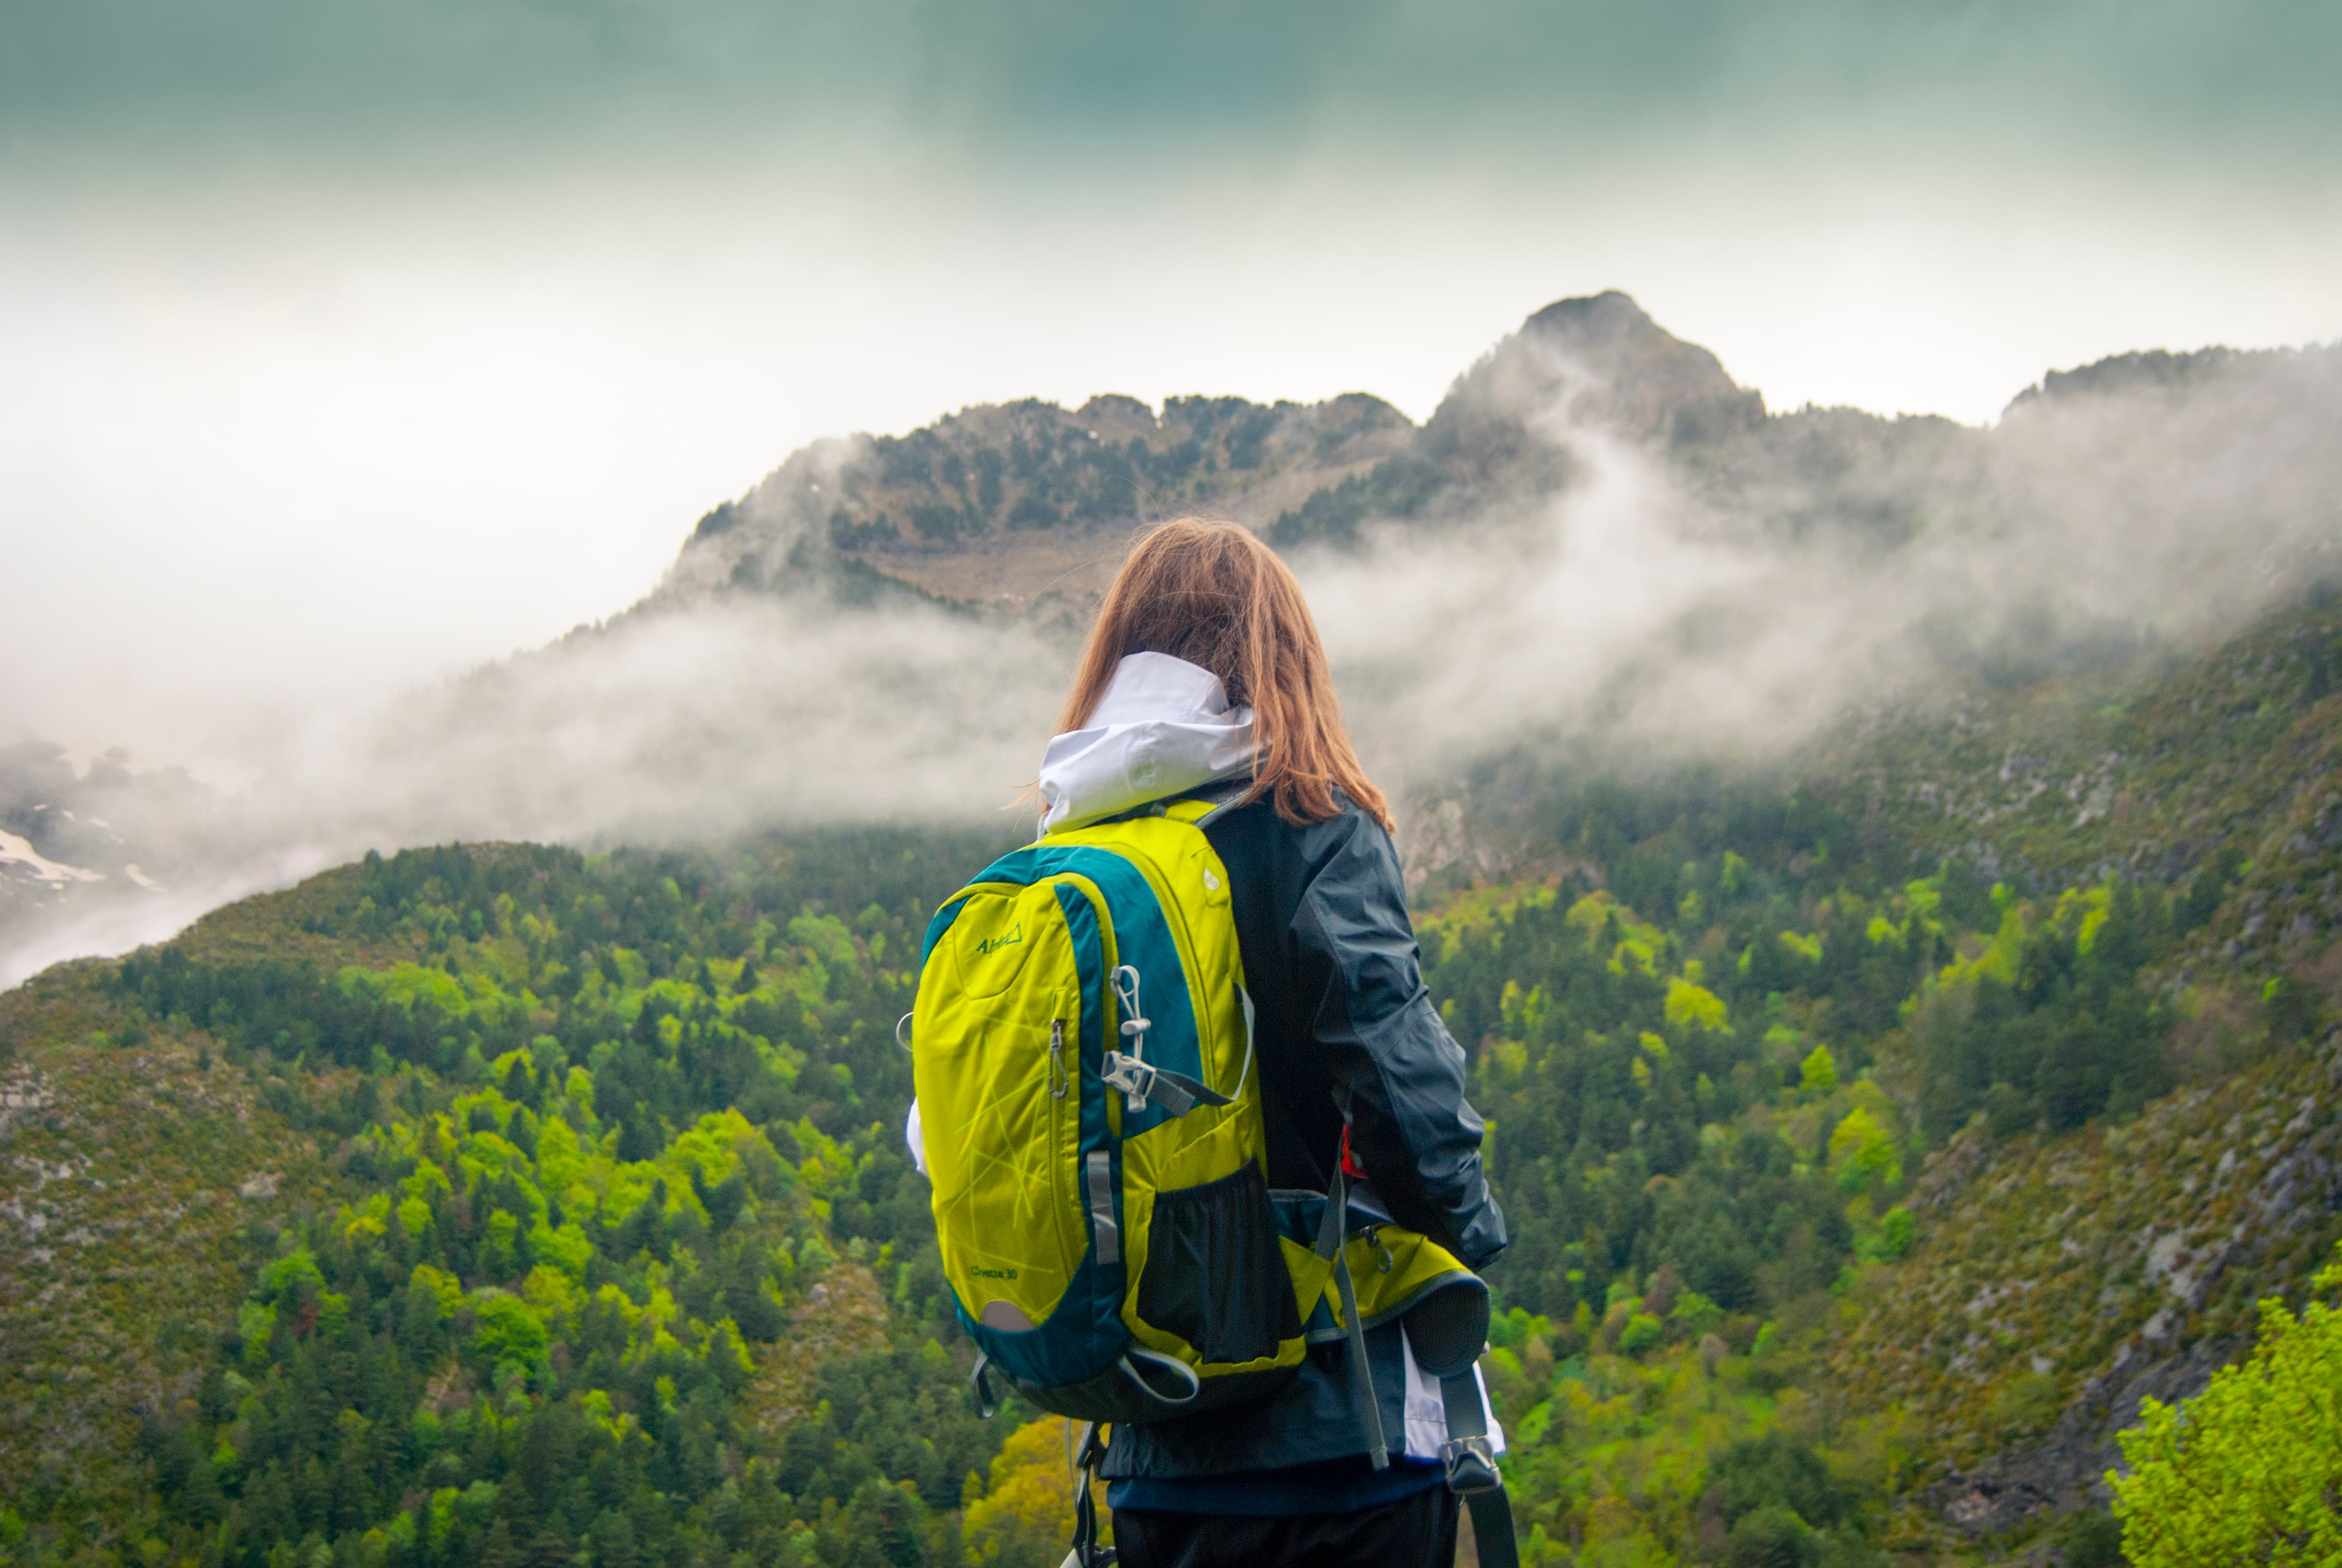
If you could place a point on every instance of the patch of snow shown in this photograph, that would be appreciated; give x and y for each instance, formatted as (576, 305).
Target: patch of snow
(117, 925)
(15, 851)
(142, 879)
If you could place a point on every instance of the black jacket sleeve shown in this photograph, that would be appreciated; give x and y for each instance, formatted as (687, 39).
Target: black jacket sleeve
(1398, 1072)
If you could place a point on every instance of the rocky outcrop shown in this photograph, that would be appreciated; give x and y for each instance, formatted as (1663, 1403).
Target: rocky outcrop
(844, 1314)
(2068, 1469)
(1002, 504)
(2059, 1283)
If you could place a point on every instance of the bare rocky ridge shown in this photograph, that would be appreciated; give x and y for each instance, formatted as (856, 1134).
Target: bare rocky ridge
(1013, 506)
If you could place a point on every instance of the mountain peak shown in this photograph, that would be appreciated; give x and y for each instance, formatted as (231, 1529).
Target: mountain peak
(1599, 361)
(1649, 381)
(1610, 315)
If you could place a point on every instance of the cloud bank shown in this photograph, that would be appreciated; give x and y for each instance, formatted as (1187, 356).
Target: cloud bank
(1653, 607)
(1706, 615)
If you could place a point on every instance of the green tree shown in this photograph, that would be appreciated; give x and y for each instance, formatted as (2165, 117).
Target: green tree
(1820, 1070)
(2250, 1470)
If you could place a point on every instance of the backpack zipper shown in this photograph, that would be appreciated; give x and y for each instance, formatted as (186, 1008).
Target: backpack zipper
(1059, 1081)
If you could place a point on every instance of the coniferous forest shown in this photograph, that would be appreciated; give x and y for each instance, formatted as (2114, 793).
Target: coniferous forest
(570, 1220)
(1921, 1138)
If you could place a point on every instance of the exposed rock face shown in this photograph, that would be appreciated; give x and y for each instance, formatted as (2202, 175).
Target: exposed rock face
(24, 1095)
(1004, 506)
(2068, 1469)
(2057, 1287)
(1501, 443)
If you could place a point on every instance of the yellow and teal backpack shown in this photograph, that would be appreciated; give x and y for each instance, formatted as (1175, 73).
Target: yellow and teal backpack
(1082, 1047)
(1090, 1108)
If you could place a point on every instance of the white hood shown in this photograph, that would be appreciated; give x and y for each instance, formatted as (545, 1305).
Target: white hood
(1163, 726)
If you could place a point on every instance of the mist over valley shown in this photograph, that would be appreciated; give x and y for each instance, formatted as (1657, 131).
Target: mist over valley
(1884, 874)
(1598, 553)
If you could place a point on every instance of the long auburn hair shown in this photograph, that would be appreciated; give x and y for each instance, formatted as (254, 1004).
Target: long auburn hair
(1213, 594)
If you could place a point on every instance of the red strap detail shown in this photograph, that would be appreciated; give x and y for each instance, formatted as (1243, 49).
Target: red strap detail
(1350, 1166)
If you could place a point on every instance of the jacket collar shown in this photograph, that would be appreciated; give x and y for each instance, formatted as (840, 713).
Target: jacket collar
(1164, 727)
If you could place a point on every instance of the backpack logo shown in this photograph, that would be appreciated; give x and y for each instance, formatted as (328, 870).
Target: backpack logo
(1009, 938)
(993, 1274)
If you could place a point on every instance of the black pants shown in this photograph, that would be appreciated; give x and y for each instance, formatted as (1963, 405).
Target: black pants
(1417, 1531)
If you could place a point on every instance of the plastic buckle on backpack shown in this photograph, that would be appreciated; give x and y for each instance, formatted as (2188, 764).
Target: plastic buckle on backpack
(1143, 1085)
(1471, 1464)
(1134, 1077)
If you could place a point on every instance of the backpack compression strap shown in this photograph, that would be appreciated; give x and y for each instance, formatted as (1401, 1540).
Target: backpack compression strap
(1142, 1082)
(1331, 1235)
(1144, 1085)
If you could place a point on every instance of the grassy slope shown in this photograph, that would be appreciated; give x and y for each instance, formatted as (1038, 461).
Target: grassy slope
(2057, 1282)
(2149, 775)
(137, 1187)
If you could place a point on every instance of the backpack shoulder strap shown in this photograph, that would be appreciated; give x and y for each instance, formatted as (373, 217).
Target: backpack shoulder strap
(1197, 807)
(1207, 803)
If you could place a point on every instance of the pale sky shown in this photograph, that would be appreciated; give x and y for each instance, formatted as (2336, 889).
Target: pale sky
(345, 347)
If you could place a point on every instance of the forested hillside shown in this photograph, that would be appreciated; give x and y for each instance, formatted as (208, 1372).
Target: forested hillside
(582, 1147)
(491, 1204)
(1891, 917)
